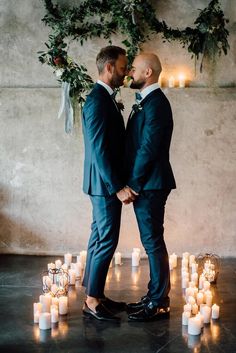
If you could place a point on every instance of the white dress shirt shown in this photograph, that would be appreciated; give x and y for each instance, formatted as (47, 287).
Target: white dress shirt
(148, 90)
(108, 88)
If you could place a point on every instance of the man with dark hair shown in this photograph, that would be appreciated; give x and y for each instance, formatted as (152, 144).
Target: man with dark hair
(104, 140)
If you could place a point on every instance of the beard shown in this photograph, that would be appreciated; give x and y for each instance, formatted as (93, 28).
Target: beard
(137, 84)
(117, 81)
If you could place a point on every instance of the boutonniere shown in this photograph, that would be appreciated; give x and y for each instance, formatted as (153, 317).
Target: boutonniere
(137, 107)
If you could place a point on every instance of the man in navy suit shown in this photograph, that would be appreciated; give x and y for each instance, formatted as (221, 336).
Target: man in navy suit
(104, 141)
(149, 175)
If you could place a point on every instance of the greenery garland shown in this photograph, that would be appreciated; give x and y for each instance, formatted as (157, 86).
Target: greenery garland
(135, 20)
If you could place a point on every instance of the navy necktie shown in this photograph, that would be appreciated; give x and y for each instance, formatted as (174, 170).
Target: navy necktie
(138, 96)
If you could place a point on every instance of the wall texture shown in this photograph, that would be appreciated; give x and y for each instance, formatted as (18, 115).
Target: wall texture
(43, 209)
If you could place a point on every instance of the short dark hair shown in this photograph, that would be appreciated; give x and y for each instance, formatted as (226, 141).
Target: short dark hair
(108, 54)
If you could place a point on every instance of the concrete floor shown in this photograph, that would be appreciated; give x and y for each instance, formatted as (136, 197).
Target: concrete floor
(20, 286)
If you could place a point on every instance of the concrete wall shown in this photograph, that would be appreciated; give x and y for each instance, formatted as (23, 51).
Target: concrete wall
(43, 210)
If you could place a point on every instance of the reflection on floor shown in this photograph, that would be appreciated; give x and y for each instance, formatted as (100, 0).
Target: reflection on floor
(20, 286)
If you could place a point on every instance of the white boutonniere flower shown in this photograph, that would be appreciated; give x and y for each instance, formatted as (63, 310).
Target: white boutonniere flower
(137, 107)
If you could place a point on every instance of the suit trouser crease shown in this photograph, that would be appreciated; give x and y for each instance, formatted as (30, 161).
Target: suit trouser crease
(149, 209)
(102, 243)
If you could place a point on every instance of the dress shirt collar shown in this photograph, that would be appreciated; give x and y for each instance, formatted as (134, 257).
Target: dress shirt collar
(149, 89)
(108, 88)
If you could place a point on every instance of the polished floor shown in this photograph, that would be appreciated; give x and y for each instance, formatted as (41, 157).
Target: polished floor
(20, 286)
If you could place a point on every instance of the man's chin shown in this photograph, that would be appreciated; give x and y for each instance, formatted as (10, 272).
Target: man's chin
(135, 85)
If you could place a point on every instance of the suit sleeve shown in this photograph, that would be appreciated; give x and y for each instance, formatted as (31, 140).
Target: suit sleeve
(152, 136)
(95, 119)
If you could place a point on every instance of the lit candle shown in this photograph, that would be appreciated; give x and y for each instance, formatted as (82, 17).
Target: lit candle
(51, 266)
(206, 285)
(45, 321)
(72, 277)
(171, 82)
(185, 317)
(68, 259)
(83, 257)
(185, 282)
(54, 315)
(184, 262)
(194, 278)
(208, 298)
(37, 307)
(181, 81)
(200, 316)
(135, 258)
(191, 300)
(194, 267)
(78, 269)
(45, 300)
(215, 311)
(171, 264)
(137, 250)
(189, 292)
(201, 281)
(117, 258)
(194, 326)
(36, 317)
(194, 309)
(188, 307)
(174, 259)
(206, 312)
(199, 298)
(191, 260)
(63, 305)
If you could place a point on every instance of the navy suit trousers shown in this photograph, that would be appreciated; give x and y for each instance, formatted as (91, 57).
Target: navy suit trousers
(149, 208)
(102, 243)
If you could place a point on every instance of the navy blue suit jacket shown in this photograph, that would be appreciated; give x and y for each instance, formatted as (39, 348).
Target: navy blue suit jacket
(104, 141)
(148, 137)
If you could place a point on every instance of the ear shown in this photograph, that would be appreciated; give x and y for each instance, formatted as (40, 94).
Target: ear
(109, 68)
(148, 72)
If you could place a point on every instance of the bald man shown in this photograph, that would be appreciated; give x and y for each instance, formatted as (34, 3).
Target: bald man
(150, 177)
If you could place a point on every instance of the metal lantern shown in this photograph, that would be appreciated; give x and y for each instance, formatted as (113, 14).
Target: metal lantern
(209, 265)
(55, 281)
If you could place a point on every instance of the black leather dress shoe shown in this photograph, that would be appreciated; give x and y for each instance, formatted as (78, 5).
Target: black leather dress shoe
(112, 305)
(134, 307)
(101, 313)
(150, 312)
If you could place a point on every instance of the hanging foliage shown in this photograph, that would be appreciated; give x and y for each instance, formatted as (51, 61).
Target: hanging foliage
(136, 21)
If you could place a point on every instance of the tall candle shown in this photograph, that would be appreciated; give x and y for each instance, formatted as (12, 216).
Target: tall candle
(191, 260)
(78, 269)
(206, 312)
(171, 264)
(46, 302)
(174, 258)
(63, 305)
(68, 259)
(181, 81)
(45, 321)
(135, 259)
(215, 311)
(185, 282)
(185, 317)
(194, 326)
(194, 278)
(117, 258)
(72, 277)
(194, 267)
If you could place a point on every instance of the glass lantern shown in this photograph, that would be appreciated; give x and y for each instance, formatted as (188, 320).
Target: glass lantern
(209, 265)
(55, 281)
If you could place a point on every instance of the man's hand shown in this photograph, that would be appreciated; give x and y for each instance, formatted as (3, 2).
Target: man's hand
(126, 195)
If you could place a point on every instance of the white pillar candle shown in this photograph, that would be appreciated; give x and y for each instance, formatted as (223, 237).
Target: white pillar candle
(186, 255)
(185, 282)
(200, 316)
(199, 298)
(137, 250)
(191, 260)
(63, 305)
(171, 82)
(188, 307)
(191, 300)
(194, 326)
(175, 260)
(201, 281)
(45, 300)
(208, 298)
(189, 292)
(181, 81)
(184, 272)
(55, 301)
(194, 278)
(171, 264)
(36, 317)
(185, 317)
(83, 257)
(37, 307)
(184, 262)
(215, 311)
(194, 267)
(206, 312)
(64, 267)
(45, 321)
(206, 285)
(68, 259)
(135, 259)
(78, 269)
(117, 258)
(194, 309)
(58, 264)
(54, 315)
(72, 277)
(192, 284)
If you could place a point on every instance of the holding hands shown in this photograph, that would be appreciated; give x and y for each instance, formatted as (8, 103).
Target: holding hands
(126, 195)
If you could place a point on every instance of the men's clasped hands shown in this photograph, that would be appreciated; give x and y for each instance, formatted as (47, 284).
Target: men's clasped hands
(126, 195)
